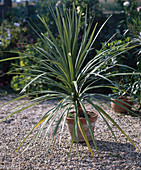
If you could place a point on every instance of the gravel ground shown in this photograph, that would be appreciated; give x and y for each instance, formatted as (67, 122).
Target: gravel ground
(114, 155)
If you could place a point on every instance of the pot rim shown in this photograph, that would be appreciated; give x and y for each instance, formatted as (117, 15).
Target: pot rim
(82, 119)
(126, 98)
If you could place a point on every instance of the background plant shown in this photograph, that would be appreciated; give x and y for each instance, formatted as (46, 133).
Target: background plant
(19, 81)
(10, 34)
(135, 31)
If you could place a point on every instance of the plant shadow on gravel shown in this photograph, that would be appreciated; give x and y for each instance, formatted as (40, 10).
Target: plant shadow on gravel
(113, 146)
(113, 154)
(115, 149)
(138, 114)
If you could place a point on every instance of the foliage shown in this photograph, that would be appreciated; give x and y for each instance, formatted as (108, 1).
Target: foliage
(127, 85)
(19, 81)
(132, 14)
(122, 82)
(133, 20)
(93, 6)
(25, 13)
(131, 26)
(125, 58)
(62, 64)
(112, 7)
(131, 10)
(11, 37)
(135, 30)
(9, 34)
(136, 90)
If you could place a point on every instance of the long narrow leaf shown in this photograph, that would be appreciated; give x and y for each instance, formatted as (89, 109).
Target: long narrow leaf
(84, 136)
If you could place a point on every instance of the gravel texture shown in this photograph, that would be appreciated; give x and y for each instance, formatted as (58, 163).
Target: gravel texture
(114, 155)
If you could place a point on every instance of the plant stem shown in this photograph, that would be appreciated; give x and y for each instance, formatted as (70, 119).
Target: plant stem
(80, 111)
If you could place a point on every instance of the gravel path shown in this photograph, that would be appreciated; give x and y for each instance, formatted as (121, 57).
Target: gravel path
(114, 155)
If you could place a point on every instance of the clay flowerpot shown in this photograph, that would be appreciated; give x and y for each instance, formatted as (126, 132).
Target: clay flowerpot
(92, 119)
(119, 109)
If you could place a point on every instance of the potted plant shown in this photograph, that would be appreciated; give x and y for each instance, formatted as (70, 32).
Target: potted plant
(122, 104)
(63, 65)
(121, 98)
(135, 29)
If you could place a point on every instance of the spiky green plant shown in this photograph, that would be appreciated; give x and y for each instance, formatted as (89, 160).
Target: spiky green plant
(62, 64)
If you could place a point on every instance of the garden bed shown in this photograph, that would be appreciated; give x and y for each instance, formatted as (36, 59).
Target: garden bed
(114, 155)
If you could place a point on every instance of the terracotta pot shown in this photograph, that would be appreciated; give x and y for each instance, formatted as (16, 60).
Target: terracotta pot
(117, 108)
(92, 120)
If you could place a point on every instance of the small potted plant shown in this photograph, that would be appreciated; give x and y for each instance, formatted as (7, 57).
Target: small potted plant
(122, 104)
(121, 96)
(121, 99)
(63, 65)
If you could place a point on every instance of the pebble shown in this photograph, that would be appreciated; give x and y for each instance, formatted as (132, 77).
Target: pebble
(114, 155)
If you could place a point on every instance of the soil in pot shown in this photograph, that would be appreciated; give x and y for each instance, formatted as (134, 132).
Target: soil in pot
(92, 119)
(120, 109)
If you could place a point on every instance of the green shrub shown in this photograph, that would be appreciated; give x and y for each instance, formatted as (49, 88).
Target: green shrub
(20, 80)
(129, 58)
(9, 32)
(126, 58)
(11, 37)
